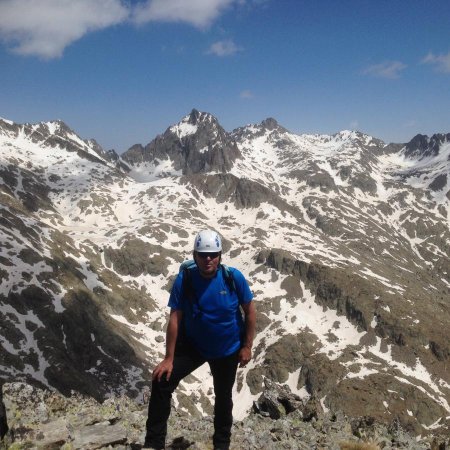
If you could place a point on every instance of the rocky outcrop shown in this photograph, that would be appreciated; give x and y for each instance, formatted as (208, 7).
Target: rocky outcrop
(241, 192)
(45, 419)
(424, 147)
(133, 258)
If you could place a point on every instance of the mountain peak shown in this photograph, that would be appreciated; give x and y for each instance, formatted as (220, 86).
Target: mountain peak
(196, 117)
(357, 136)
(9, 122)
(270, 123)
(53, 127)
(422, 146)
(190, 124)
(196, 144)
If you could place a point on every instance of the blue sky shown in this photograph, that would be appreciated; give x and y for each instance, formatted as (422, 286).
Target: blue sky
(123, 71)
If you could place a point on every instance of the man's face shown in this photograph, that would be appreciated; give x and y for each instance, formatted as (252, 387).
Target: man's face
(207, 263)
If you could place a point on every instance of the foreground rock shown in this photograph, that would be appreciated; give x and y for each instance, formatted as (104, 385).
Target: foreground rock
(47, 420)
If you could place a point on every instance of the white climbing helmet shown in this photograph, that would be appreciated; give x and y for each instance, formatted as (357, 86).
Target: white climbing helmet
(207, 241)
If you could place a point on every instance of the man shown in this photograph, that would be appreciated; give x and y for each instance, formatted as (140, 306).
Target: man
(3, 422)
(205, 325)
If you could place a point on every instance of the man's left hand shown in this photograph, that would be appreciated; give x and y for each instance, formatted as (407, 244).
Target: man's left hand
(245, 355)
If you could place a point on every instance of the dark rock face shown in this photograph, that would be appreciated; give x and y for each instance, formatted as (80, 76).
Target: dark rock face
(439, 182)
(319, 179)
(424, 147)
(135, 154)
(66, 342)
(243, 193)
(133, 258)
(35, 191)
(198, 144)
(270, 124)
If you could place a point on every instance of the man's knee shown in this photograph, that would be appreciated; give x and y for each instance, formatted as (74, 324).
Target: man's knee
(163, 386)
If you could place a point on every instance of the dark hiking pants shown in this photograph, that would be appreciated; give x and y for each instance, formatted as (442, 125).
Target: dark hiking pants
(3, 423)
(186, 360)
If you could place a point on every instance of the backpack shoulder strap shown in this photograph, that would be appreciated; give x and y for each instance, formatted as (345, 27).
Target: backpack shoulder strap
(227, 273)
(188, 286)
(188, 264)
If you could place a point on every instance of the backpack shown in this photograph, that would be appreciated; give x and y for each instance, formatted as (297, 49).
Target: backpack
(188, 287)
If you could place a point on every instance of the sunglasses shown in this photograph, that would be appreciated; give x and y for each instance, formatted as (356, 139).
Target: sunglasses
(212, 255)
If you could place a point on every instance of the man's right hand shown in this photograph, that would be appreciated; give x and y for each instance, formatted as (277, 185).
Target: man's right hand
(164, 367)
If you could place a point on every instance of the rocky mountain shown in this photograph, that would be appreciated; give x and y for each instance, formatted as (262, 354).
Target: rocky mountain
(198, 144)
(344, 239)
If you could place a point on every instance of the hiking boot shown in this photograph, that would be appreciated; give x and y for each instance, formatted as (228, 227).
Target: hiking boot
(151, 447)
(180, 443)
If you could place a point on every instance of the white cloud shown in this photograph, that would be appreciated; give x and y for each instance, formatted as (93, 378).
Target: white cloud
(441, 62)
(200, 13)
(354, 125)
(46, 27)
(387, 69)
(224, 48)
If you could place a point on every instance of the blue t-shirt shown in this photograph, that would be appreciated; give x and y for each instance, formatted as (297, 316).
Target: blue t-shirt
(216, 327)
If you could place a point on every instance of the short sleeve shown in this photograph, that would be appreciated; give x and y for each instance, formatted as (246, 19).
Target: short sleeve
(176, 293)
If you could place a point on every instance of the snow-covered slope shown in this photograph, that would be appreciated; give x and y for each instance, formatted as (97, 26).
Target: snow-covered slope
(344, 239)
